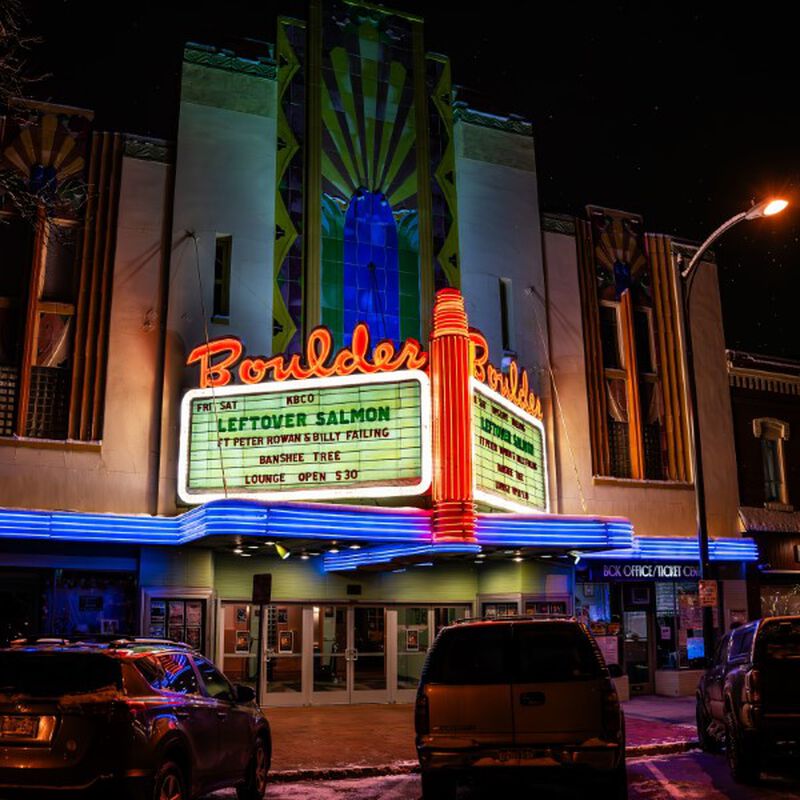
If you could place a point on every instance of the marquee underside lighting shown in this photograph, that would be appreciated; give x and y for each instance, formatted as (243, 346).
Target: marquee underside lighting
(677, 548)
(399, 534)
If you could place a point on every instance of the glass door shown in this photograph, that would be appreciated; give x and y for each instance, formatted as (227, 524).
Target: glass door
(283, 659)
(368, 654)
(349, 655)
(637, 637)
(331, 655)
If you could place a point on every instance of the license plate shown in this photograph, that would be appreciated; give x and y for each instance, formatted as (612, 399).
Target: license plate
(19, 727)
(518, 755)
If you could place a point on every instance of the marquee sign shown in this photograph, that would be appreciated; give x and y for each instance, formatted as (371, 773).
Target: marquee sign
(384, 420)
(318, 439)
(509, 460)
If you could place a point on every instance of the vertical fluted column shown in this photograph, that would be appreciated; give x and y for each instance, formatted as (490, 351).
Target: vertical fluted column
(453, 505)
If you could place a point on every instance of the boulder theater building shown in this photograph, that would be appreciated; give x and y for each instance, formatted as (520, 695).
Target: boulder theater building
(323, 336)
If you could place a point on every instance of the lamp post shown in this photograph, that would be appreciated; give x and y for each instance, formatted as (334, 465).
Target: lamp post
(766, 208)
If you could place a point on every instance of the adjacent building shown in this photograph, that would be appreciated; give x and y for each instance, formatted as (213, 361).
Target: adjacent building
(765, 397)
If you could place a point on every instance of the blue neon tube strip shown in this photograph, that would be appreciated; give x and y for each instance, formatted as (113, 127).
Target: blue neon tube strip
(595, 537)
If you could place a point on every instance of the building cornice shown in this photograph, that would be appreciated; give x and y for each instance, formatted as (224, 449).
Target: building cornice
(558, 223)
(763, 381)
(147, 149)
(214, 58)
(509, 124)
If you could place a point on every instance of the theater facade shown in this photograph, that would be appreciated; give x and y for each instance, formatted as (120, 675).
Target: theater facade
(326, 336)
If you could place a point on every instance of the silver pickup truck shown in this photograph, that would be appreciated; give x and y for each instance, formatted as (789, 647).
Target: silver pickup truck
(748, 700)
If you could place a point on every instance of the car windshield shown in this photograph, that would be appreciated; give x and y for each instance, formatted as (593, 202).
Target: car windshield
(779, 640)
(48, 674)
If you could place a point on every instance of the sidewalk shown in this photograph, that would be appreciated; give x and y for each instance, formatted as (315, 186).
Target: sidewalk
(379, 739)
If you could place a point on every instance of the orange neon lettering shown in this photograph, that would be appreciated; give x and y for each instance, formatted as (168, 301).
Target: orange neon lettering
(315, 362)
(514, 386)
(216, 374)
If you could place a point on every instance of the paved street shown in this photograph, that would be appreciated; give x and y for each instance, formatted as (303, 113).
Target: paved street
(689, 776)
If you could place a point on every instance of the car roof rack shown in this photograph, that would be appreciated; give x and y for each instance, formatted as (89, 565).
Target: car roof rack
(516, 618)
(110, 641)
(133, 641)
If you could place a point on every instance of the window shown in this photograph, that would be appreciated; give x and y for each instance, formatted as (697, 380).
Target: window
(506, 325)
(56, 274)
(222, 279)
(632, 343)
(216, 683)
(772, 434)
(179, 674)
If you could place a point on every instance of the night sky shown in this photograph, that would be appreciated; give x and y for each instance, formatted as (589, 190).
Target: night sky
(670, 111)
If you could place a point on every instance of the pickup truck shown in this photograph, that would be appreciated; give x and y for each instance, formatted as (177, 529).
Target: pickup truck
(748, 700)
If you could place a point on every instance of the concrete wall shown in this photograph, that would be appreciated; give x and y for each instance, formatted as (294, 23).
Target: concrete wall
(500, 237)
(655, 508)
(119, 475)
(224, 185)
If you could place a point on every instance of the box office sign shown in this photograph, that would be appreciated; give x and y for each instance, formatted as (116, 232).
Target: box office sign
(316, 439)
(508, 453)
(643, 571)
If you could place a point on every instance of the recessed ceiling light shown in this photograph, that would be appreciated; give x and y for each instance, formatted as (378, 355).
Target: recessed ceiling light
(305, 556)
(252, 547)
(355, 546)
(334, 550)
(237, 550)
(478, 562)
(546, 556)
(481, 555)
(269, 544)
(246, 555)
(518, 559)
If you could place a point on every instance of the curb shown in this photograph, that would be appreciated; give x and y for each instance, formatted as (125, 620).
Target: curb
(409, 767)
(341, 773)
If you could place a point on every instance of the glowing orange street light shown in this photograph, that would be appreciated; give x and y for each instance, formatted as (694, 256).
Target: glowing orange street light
(766, 208)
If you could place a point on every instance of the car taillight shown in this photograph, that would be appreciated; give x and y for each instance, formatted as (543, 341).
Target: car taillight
(612, 715)
(752, 686)
(422, 718)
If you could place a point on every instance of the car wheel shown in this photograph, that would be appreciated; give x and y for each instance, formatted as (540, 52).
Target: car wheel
(708, 743)
(169, 783)
(256, 786)
(616, 787)
(438, 785)
(743, 760)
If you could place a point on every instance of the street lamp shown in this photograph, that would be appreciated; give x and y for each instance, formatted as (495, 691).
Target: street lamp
(766, 208)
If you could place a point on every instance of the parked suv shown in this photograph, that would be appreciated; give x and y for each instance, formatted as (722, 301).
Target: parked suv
(126, 719)
(749, 698)
(518, 693)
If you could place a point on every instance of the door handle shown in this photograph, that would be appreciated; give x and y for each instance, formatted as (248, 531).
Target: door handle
(532, 699)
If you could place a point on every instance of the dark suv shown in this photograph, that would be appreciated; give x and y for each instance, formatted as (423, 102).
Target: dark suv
(152, 721)
(516, 694)
(749, 698)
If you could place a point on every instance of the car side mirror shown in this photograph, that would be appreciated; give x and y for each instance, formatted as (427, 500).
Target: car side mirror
(244, 694)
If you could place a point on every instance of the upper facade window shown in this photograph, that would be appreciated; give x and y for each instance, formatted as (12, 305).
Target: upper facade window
(632, 352)
(773, 433)
(58, 200)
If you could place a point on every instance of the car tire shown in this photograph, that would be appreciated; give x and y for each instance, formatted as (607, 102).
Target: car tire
(743, 756)
(616, 787)
(169, 783)
(438, 785)
(708, 743)
(255, 786)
